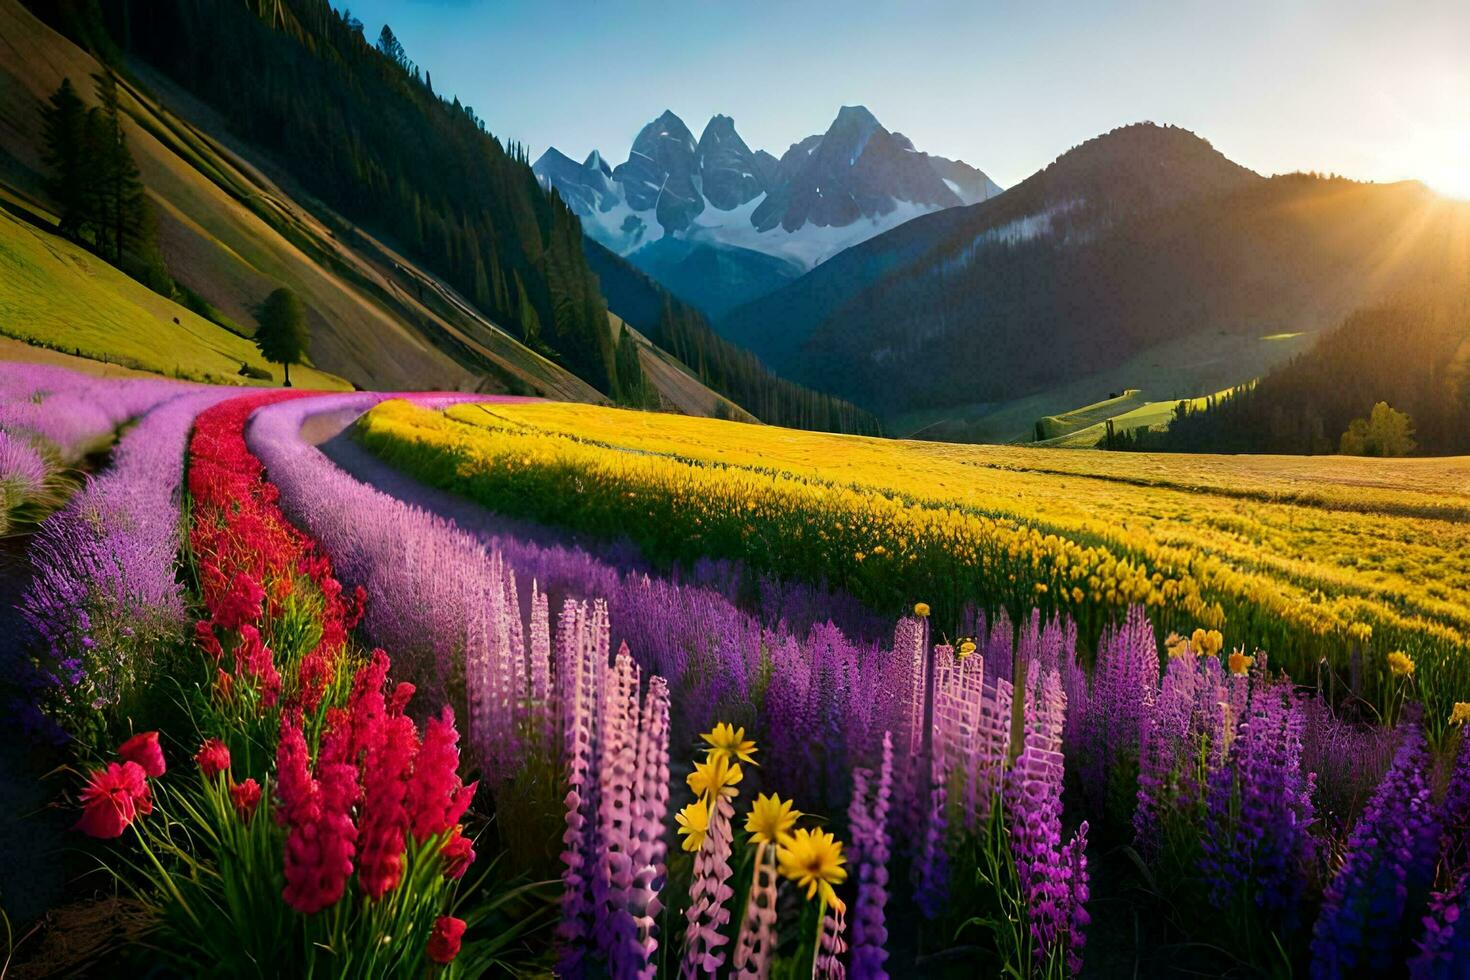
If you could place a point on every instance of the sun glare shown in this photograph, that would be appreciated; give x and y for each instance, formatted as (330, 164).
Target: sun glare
(1452, 180)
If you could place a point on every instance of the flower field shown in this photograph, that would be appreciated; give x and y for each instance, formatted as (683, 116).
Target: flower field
(1275, 563)
(836, 714)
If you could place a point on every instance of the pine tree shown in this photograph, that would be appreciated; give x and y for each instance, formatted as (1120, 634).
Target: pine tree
(65, 125)
(283, 335)
(121, 201)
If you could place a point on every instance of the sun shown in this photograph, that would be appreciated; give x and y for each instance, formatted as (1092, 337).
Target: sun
(1451, 182)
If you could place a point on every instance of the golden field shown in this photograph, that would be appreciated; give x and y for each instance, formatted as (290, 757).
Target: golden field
(1303, 557)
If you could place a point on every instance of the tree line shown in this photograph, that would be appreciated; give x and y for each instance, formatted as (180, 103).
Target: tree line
(1393, 378)
(93, 181)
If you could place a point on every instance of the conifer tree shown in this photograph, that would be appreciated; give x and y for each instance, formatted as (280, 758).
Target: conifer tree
(283, 335)
(65, 127)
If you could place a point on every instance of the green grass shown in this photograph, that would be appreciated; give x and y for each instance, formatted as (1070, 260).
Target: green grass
(1186, 367)
(56, 294)
(1135, 413)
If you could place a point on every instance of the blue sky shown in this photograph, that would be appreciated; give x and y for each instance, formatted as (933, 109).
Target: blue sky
(1373, 90)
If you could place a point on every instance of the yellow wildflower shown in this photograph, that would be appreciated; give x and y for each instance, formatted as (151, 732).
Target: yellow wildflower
(715, 777)
(921, 609)
(693, 822)
(1177, 645)
(1461, 713)
(1197, 642)
(814, 861)
(1401, 664)
(770, 820)
(730, 742)
(1239, 662)
(966, 648)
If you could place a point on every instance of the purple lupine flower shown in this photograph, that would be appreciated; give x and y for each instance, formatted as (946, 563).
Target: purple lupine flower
(1165, 751)
(1444, 948)
(617, 773)
(1124, 683)
(1390, 854)
(709, 895)
(831, 945)
(1033, 797)
(581, 846)
(651, 809)
(931, 863)
(1257, 822)
(871, 846)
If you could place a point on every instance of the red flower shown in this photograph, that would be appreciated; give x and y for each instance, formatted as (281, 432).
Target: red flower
(322, 839)
(458, 853)
(383, 826)
(113, 797)
(398, 701)
(253, 659)
(444, 941)
(144, 750)
(242, 604)
(367, 704)
(213, 757)
(437, 798)
(208, 642)
(246, 797)
(296, 790)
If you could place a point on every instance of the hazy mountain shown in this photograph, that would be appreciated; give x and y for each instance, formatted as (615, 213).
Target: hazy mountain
(826, 193)
(1139, 238)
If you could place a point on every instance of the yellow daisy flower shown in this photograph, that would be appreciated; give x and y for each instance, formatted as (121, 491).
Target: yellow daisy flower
(770, 820)
(693, 822)
(814, 861)
(715, 777)
(729, 743)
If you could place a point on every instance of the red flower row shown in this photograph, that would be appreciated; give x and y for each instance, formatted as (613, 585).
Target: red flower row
(250, 557)
(375, 783)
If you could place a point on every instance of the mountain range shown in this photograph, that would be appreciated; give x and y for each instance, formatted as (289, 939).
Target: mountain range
(1141, 258)
(720, 223)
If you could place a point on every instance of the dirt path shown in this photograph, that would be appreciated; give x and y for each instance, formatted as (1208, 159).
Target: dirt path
(329, 432)
(32, 871)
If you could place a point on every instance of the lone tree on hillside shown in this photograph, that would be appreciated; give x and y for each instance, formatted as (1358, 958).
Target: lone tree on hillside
(1385, 432)
(282, 335)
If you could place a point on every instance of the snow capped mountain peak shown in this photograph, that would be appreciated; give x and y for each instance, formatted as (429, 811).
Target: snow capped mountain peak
(827, 192)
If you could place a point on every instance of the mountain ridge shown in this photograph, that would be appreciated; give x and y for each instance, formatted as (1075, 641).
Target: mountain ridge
(827, 192)
(1130, 240)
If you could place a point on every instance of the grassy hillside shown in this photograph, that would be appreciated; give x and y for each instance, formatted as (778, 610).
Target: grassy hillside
(58, 295)
(1191, 366)
(678, 389)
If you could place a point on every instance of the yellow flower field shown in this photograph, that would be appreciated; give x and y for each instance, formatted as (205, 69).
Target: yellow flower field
(1304, 558)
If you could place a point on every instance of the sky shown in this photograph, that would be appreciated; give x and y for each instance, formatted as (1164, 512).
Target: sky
(1370, 90)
